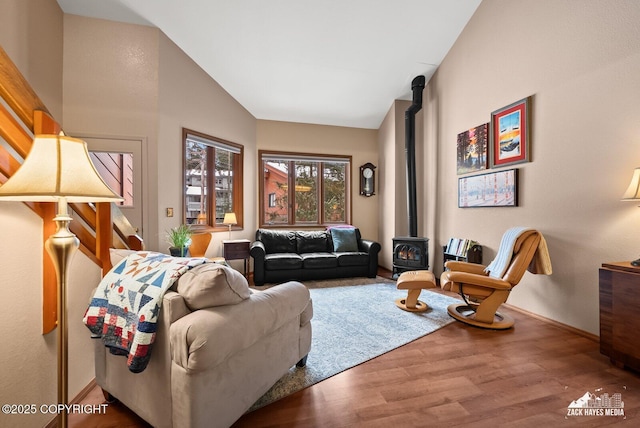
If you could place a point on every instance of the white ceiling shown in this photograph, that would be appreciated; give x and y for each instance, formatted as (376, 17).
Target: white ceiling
(332, 62)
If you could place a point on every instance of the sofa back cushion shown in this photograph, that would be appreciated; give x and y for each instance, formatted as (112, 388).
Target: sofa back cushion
(212, 284)
(277, 241)
(316, 241)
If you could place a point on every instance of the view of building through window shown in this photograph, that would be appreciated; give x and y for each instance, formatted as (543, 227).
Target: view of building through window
(116, 169)
(211, 179)
(304, 190)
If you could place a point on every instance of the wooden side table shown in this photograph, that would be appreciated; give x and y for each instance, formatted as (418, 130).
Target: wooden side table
(619, 321)
(237, 249)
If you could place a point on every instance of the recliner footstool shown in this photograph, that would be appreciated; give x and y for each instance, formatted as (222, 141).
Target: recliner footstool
(415, 281)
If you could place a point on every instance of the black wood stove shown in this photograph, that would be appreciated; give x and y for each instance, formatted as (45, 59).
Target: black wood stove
(411, 252)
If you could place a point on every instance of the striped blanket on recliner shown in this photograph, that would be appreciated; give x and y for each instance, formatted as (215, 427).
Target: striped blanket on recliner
(500, 263)
(125, 307)
(540, 264)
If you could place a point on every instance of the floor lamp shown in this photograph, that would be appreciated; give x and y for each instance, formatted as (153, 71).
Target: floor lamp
(58, 169)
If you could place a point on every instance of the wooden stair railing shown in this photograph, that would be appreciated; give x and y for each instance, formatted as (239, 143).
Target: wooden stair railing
(101, 226)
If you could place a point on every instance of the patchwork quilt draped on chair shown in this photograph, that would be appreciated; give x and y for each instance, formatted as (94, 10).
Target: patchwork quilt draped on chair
(125, 307)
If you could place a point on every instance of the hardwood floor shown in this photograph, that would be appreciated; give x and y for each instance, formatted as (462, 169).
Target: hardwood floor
(456, 376)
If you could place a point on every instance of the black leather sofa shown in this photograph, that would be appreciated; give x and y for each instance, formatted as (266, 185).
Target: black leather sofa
(284, 255)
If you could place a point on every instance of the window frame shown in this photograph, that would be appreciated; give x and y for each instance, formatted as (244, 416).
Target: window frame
(238, 179)
(291, 215)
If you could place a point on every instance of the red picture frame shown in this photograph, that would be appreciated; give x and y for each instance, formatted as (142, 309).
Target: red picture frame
(510, 134)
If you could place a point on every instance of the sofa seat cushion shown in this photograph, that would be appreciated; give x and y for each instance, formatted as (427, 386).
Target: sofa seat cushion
(319, 260)
(352, 259)
(282, 261)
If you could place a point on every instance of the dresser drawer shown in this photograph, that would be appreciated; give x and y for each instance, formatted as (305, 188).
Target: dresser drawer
(236, 250)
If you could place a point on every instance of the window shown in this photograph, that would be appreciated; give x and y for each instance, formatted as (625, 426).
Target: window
(116, 169)
(212, 180)
(301, 189)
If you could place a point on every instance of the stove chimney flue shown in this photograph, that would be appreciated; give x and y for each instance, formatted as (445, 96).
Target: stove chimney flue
(417, 86)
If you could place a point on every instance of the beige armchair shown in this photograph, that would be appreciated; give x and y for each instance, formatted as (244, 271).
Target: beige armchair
(483, 292)
(218, 348)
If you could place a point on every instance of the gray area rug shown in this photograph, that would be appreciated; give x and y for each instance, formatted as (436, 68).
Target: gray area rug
(354, 323)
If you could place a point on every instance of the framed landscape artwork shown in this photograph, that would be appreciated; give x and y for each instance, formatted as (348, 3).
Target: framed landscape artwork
(493, 189)
(510, 134)
(471, 152)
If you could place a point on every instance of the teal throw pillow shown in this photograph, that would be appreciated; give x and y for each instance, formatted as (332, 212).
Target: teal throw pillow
(344, 239)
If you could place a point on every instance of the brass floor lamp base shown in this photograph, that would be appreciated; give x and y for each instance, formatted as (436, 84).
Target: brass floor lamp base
(61, 247)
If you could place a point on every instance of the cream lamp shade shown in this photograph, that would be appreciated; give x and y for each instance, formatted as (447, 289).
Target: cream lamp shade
(230, 219)
(633, 191)
(57, 167)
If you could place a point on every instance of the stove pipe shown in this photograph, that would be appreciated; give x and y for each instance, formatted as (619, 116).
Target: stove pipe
(417, 85)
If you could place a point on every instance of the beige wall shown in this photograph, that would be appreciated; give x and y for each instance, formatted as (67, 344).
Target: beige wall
(392, 206)
(131, 81)
(386, 185)
(579, 60)
(190, 98)
(31, 34)
(111, 90)
(119, 80)
(359, 143)
(28, 371)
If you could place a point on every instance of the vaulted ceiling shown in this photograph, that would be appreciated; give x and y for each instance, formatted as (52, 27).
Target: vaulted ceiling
(332, 62)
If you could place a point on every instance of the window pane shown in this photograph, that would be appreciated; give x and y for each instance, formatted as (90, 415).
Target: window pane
(276, 177)
(334, 192)
(224, 183)
(196, 181)
(116, 169)
(304, 189)
(213, 180)
(306, 192)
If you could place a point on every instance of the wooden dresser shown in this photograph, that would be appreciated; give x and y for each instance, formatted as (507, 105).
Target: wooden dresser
(620, 314)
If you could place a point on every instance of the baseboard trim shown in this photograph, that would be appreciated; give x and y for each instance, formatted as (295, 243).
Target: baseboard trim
(76, 400)
(558, 324)
(84, 392)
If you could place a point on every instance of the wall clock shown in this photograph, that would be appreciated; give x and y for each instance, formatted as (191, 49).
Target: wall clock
(368, 179)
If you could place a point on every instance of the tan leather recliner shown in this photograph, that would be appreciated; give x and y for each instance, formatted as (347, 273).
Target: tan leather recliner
(483, 294)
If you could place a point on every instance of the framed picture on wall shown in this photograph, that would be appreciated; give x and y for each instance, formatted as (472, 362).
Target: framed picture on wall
(471, 150)
(493, 189)
(510, 134)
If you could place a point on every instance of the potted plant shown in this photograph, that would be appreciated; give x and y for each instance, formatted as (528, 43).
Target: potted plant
(179, 238)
